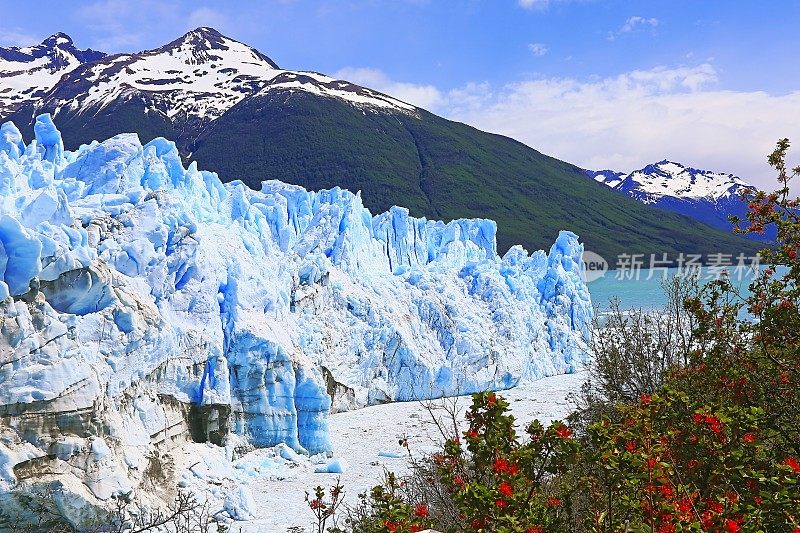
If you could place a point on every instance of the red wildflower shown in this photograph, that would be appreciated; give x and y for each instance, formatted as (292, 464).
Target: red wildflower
(732, 526)
(535, 529)
(697, 418)
(421, 510)
(715, 506)
(500, 465)
(472, 434)
(630, 446)
(458, 480)
(684, 505)
(500, 503)
(491, 400)
(505, 489)
(713, 423)
(553, 502)
(645, 398)
(707, 520)
(563, 431)
(794, 464)
(390, 526)
(758, 500)
(749, 437)
(666, 528)
(414, 528)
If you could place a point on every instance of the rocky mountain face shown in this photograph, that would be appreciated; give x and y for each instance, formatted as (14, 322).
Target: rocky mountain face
(235, 111)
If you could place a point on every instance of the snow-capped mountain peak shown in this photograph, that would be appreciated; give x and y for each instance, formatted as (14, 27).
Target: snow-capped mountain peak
(197, 77)
(201, 74)
(670, 179)
(206, 45)
(27, 73)
(57, 39)
(704, 195)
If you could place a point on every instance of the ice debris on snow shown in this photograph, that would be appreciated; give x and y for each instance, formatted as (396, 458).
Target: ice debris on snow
(390, 455)
(288, 453)
(334, 466)
(239, 503)
(173, 307)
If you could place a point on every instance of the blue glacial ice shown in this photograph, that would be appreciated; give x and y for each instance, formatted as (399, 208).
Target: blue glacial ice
(145, 303)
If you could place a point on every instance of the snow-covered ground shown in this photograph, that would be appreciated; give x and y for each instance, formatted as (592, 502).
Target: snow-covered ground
(366, 439)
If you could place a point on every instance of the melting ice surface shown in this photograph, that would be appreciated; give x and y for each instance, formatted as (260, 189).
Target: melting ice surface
(144, 303)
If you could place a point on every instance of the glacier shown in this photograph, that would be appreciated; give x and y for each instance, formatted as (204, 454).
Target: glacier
(145, 304)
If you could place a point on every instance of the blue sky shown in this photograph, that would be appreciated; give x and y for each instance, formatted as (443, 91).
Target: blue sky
(599, 83)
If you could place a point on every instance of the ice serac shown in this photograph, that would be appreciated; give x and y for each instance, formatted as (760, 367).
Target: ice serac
(48, 138)
(144, 305)
(11, 140)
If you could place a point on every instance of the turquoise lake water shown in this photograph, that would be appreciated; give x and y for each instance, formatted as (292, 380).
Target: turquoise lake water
(644, 290)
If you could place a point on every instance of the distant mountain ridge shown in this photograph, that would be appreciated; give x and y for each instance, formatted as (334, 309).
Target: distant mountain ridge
(197, 77)
(707, 196)
(233, 110)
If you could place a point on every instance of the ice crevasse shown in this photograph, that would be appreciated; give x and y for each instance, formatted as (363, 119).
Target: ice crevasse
(144, 303)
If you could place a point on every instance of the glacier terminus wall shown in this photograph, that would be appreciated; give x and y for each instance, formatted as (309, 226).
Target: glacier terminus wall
(144, 304)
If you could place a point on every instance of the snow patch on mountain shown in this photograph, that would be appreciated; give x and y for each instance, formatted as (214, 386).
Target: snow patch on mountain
(26, 74)
(610, 178)
(144, 305)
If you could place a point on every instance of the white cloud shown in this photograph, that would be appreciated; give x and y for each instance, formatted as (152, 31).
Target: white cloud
(631, 24)
(16, 37)
(534, 4)
(206, 17)
(538, 49)
(627, 121)
(425, 96)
